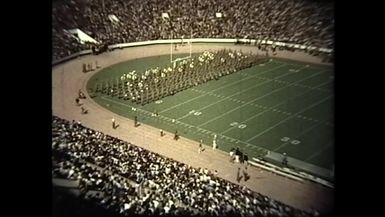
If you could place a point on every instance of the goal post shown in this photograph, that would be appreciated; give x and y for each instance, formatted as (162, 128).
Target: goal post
(189, 42)
(174, 61)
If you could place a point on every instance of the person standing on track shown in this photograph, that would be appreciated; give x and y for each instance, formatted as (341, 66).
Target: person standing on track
(113, 123)
(215, 142)
(246, 160)
(284, 160)
(238, 173)
(135, 121)
(81, 94)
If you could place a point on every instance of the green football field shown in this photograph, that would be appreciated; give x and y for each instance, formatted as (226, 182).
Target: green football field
(281, 106)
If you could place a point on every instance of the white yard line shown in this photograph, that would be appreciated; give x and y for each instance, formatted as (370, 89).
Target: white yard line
(268, 109)
(288, 118)
(238, 107)
(235, 100)
(221, 87)
(243, 103)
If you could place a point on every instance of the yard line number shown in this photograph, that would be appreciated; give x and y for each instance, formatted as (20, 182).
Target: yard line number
(196, 113)
(236, 124)
(287, 139)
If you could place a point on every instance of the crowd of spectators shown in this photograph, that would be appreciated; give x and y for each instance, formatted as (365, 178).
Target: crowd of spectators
(305, 22)
(131, 180)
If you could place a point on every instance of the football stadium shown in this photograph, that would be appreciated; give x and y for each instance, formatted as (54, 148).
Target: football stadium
(193, 108)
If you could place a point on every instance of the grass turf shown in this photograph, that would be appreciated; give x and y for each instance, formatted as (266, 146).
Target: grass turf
(281, 106)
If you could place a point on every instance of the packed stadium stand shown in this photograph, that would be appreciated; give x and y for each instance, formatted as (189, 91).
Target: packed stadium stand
(305, 22)
(130, 180)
